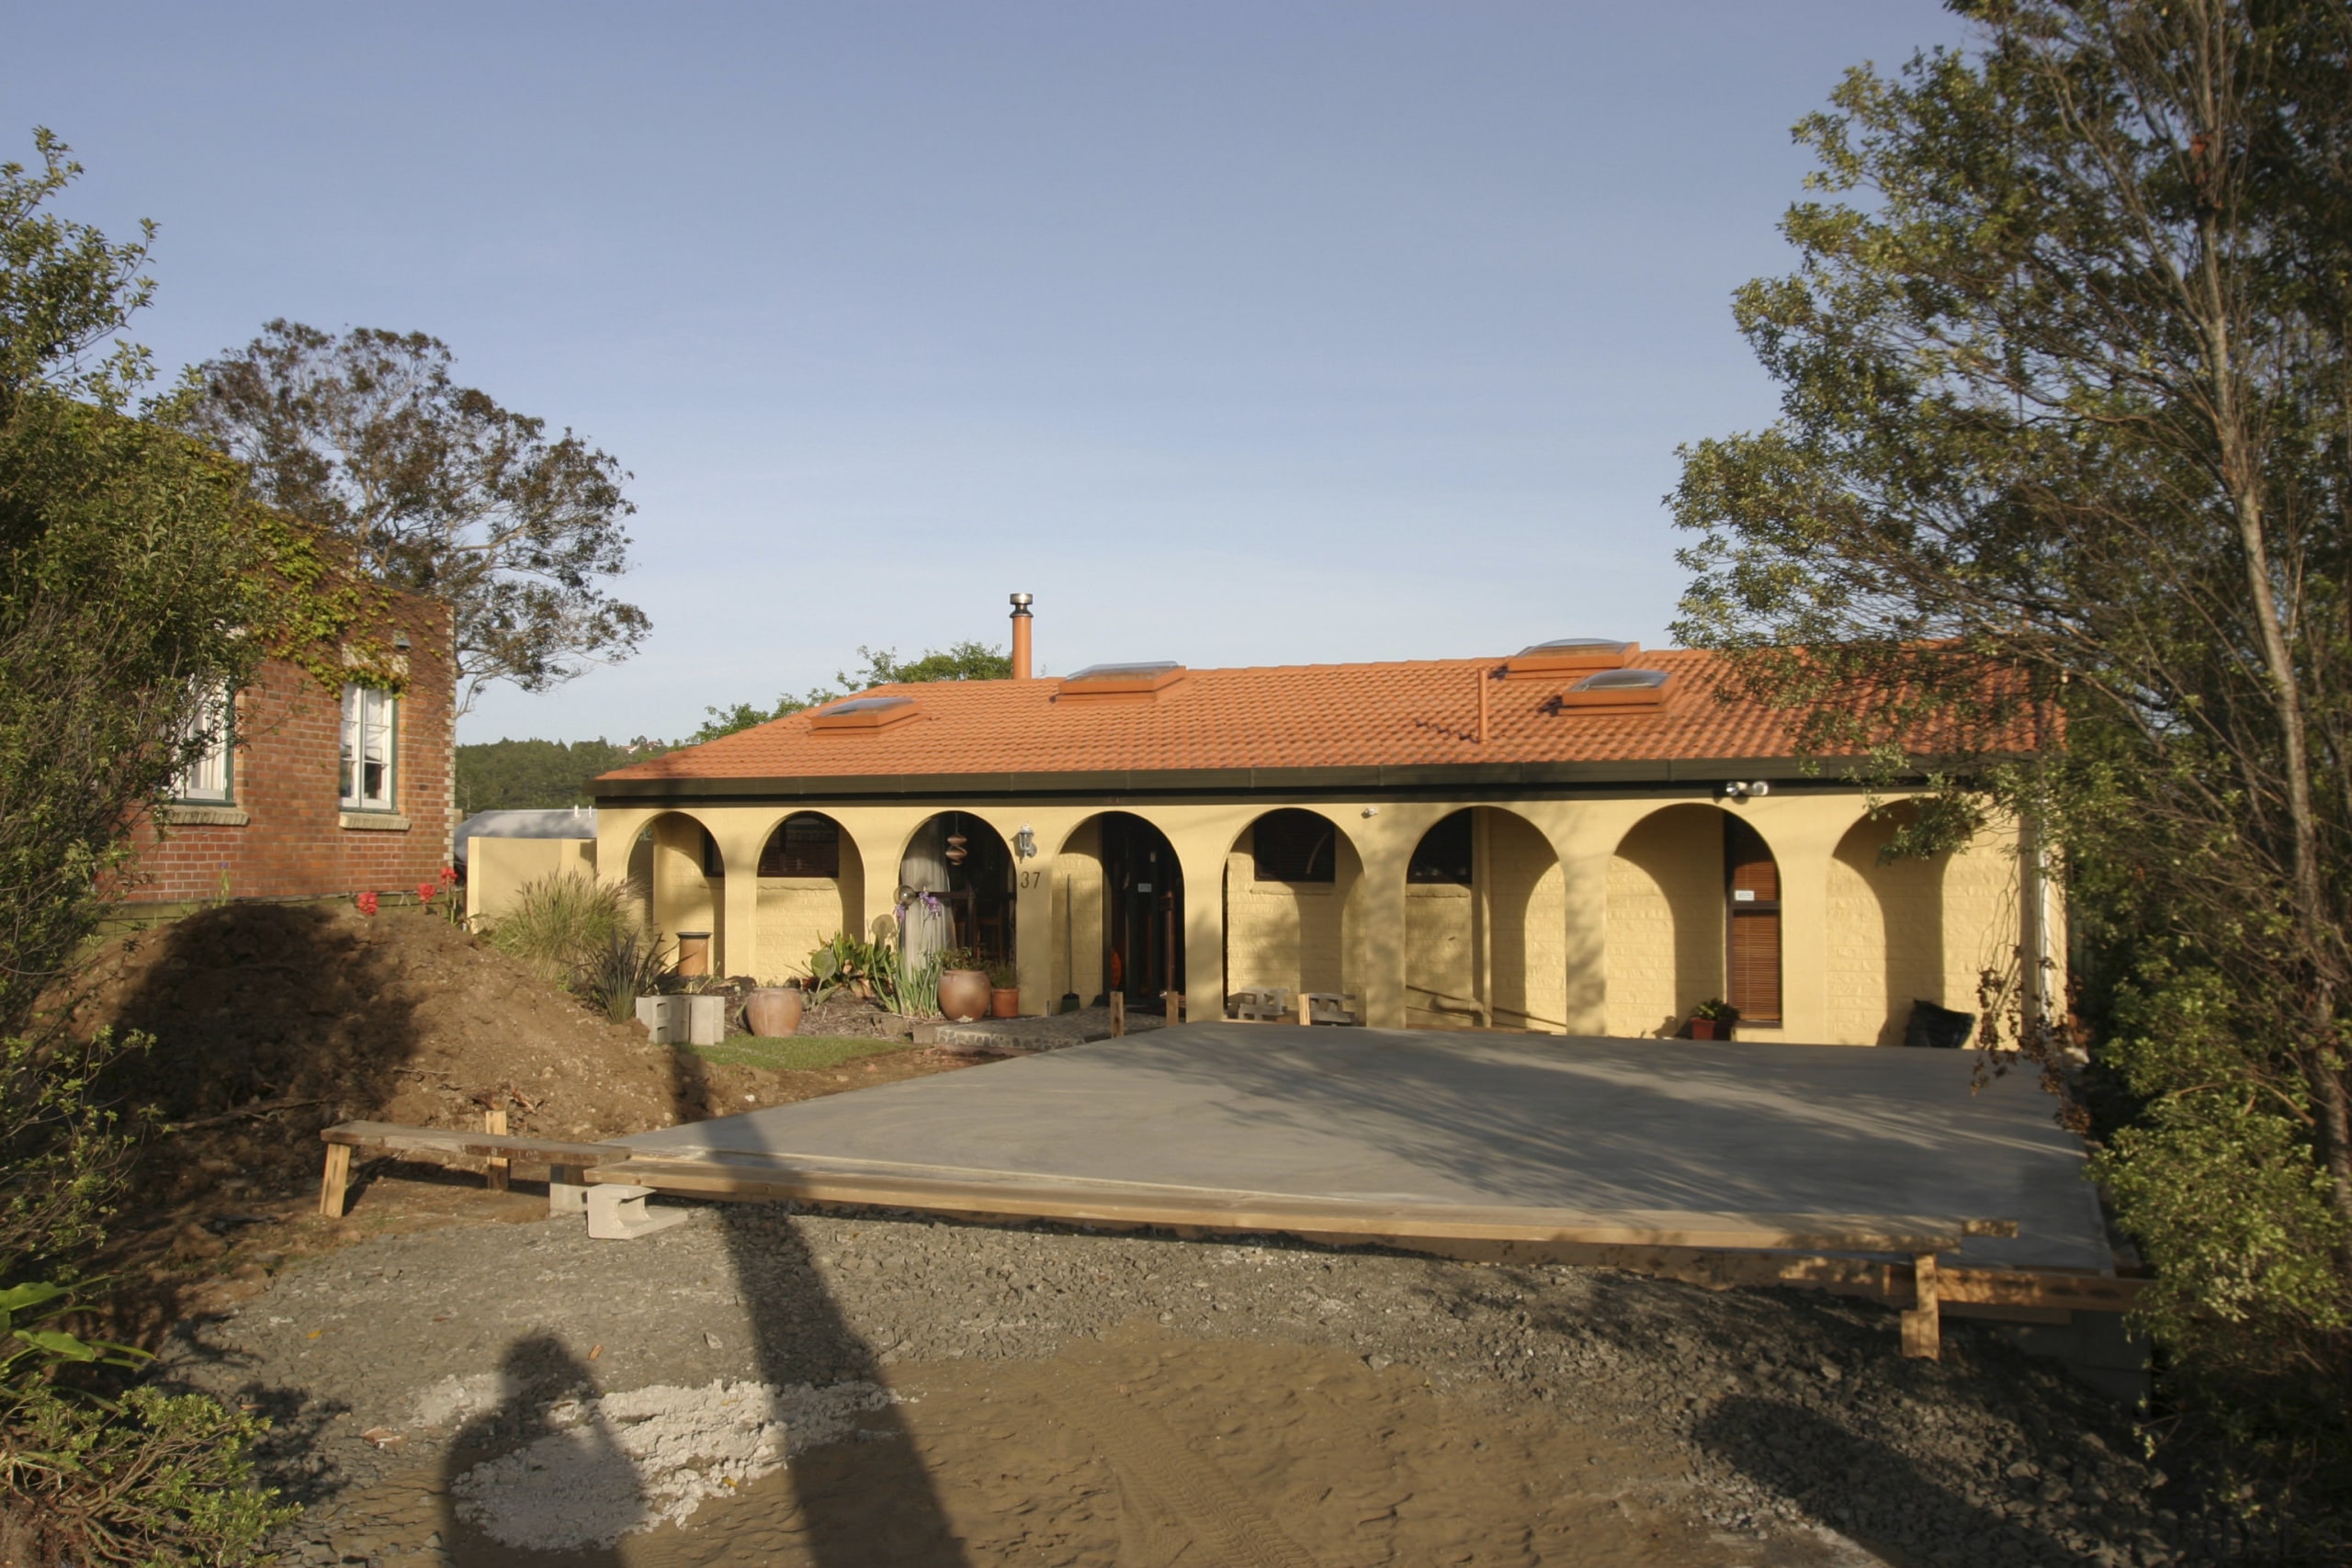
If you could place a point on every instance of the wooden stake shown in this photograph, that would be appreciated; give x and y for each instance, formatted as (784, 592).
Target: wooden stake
(1175, 1007)
(1118, 1014)
(1923, 1337)
(337, 1178)
(1305, 1011)
(495, 1168)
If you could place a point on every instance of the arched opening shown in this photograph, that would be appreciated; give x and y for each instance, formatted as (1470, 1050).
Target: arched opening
(1119, 912)
(966, 865)
(1290, 894)
(811, 887)
(1694, 913)
(1485, 917)
(1886, 934)
(678, 883)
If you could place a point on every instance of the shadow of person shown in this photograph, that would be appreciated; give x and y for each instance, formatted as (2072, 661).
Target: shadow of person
(1866, 1489)
(860, 1504)
(521, 1483)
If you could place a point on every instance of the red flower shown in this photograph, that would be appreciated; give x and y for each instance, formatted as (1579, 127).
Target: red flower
(449, 874)
(367, 902)
(425, 892)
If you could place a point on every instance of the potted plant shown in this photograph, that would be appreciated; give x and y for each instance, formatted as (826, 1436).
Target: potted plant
(1713, 1020)
(1004, 991)
(963, 986)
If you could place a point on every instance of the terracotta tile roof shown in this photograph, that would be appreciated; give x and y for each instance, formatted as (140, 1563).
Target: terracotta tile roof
(1418, 714)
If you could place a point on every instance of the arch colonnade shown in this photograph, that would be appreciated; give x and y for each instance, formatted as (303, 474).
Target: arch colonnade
(1583, 915)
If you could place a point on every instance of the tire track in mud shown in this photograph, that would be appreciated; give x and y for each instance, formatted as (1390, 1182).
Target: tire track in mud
(1146, 1454)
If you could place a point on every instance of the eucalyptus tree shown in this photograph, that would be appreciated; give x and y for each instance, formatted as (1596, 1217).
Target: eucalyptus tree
(2058, 496)
(439, 489)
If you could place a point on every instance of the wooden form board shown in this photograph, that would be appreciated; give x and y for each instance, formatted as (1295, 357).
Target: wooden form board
(485, 1144)
(955, 1190)
(1714, 1250)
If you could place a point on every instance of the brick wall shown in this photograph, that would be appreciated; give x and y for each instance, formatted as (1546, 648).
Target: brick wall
(286, 787)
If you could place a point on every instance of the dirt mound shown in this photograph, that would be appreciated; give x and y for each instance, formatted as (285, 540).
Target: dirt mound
(396, 1017)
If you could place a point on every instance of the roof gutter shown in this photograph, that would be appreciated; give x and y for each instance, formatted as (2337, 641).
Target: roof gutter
(1565, 777)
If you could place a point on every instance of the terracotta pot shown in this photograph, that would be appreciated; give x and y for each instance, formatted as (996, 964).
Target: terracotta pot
(1710, 1029)
(964, 995)
(774, 1011)
(1004, 1001)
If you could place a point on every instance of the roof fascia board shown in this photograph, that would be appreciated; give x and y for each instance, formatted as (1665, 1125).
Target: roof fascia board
(1210, 781)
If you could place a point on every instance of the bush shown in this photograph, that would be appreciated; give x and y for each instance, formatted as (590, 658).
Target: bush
(561, 923)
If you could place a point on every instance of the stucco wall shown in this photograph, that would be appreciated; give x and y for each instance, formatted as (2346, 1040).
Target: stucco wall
(1526, 900)
(1607, 911)
(1665, 920)
(1287, 934)
(1075, 962)
(497, 869)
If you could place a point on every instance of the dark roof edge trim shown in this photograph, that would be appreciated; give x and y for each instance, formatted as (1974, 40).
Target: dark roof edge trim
(1220, 781)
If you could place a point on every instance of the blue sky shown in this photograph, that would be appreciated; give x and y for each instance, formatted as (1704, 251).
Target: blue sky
(1237, 334)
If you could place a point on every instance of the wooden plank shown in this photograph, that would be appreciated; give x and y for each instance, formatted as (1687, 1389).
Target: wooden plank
(337, 1178)
(968, 1193)
(458, 1140)
(497, 1168)
(2049, 1290)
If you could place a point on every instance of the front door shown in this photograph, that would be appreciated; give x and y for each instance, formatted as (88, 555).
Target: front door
(1146, 933)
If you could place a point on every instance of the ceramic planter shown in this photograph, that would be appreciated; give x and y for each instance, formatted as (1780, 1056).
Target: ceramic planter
(964, 995)
(774, 1011)
(1004, 1001)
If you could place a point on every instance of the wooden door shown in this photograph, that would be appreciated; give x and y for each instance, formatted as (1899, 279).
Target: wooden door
(1752, 890)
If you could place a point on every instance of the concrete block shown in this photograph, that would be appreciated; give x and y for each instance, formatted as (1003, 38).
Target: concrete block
(705, 1020)
(616, 1212)
(563, 1197)
(664, 1019)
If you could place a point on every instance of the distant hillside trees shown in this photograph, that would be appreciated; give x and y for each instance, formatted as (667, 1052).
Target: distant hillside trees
(509, 775)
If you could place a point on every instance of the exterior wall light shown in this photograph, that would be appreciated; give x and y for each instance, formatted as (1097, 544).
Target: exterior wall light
(1737, 791)
(1024, 843)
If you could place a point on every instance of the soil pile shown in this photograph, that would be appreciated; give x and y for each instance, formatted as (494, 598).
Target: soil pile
(273, 1021)
(317, 1013)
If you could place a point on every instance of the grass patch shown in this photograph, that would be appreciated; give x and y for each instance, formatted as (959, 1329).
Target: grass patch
(794, 1053)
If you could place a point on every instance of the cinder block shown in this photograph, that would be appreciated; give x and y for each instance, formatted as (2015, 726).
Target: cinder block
(664, 1019)
(705, 1020)
(617, 1212)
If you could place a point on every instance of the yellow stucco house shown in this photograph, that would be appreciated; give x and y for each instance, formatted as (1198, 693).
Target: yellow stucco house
(1578, 838)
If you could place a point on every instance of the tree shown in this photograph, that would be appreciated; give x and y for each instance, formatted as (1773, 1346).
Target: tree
(136, 582)
(2064, 465)
(439, 489)
(966, 661)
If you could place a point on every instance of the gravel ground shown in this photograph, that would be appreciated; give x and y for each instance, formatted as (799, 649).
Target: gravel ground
(1779, 1415)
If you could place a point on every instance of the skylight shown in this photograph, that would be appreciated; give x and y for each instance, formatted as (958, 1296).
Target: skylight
(1622, 681)
(1147, 670)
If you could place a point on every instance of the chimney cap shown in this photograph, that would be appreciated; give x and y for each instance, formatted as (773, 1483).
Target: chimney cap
(1021, 603)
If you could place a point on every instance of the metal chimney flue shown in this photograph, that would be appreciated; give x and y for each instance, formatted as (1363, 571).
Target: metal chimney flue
(1021, 622)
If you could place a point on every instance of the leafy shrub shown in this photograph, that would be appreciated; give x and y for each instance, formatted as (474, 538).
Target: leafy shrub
(560, 923)
(153, 1478)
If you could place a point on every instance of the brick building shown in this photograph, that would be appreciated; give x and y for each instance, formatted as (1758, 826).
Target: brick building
(313, 793)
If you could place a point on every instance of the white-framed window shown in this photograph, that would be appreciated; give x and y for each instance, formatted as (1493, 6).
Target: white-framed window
(209, 779)
(370, 720)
